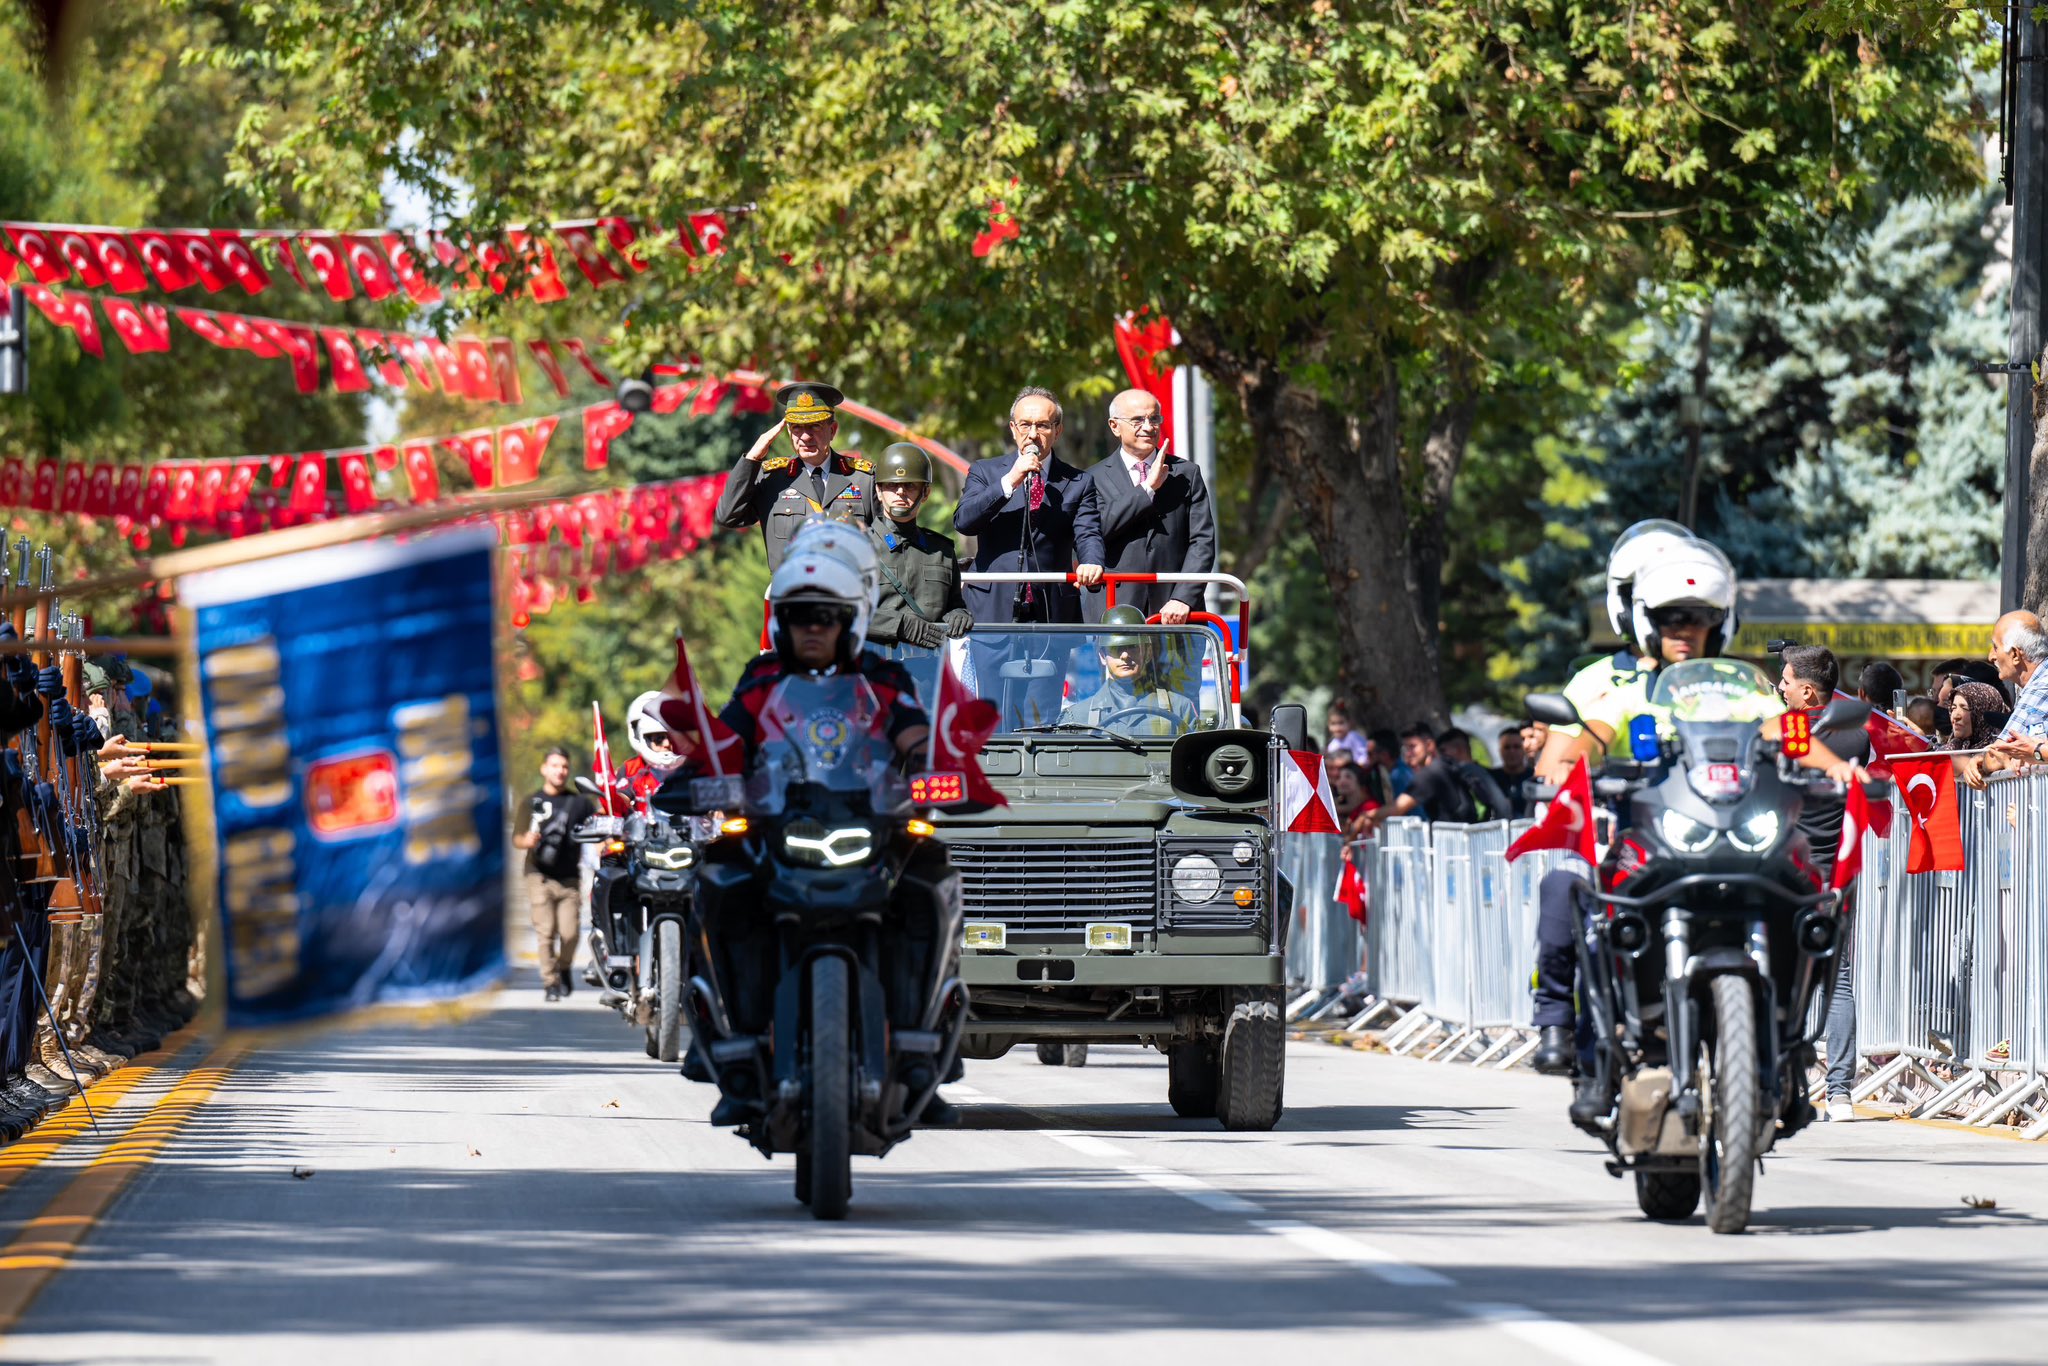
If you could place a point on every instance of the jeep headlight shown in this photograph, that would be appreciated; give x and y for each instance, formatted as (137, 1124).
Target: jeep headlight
(810, 843)
(1758, 831)
(673, 859)
(1683, 833)
(1196, 878)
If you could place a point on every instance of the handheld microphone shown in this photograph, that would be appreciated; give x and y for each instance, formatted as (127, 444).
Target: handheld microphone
(1026, 598)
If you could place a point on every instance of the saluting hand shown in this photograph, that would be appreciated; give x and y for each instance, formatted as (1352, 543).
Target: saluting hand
(766, 442)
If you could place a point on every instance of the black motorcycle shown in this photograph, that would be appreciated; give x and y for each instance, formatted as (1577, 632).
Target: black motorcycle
(829, 1002)
(640, 905)
(1702, 968)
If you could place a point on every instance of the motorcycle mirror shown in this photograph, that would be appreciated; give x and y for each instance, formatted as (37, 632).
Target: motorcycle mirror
(1844, 713)
(587, 787)
(1552, 709)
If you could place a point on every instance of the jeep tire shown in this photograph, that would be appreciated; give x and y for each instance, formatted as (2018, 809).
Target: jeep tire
(1253, 1058)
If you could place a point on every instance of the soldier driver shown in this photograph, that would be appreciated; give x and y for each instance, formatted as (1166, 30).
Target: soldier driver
(1134, 698)
(782, 492)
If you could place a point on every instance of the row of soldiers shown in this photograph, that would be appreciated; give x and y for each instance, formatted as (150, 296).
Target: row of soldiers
(87, 981)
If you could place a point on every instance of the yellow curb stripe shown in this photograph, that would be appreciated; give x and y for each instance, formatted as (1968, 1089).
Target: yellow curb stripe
(46, 1245)
(34, 1147)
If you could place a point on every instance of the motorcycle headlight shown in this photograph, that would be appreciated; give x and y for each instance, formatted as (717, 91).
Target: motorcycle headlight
(1196, 878)
(811, 843)
(1683, 833)
(673, 859)
(1758, 831)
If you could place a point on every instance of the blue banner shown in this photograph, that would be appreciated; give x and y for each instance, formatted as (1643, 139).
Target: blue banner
(349, 697)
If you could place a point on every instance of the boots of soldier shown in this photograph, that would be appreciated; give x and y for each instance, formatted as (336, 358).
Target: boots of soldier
(49, 1080)
(1556, 1052)
(99, 1059)
(1590, 1104)
(52, 1057)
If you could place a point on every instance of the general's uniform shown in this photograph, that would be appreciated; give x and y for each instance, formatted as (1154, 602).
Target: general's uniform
(782, 493)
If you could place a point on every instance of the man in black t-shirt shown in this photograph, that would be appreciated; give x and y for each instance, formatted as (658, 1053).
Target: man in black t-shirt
(1434, 791)
(554, 870)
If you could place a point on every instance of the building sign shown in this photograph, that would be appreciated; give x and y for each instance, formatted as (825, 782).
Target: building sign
(350, 703)
(1867, 640)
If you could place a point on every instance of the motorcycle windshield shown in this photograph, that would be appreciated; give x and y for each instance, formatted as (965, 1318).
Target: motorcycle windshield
(1716, 691)
(824, 735)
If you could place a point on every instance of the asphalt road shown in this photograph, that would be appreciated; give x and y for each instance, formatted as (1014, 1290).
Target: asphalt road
(523, 1185)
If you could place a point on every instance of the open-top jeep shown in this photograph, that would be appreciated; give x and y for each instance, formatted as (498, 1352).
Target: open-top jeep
(1129, 893)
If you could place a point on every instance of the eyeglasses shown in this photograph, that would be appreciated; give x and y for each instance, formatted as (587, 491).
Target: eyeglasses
(1154, 420)
(816, 616)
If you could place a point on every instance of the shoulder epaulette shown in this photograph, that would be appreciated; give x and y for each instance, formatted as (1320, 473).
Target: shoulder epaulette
(778, 464)
(861, 464)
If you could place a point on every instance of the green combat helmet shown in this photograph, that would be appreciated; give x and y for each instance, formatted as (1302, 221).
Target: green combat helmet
(1124, 615)
(905, 462)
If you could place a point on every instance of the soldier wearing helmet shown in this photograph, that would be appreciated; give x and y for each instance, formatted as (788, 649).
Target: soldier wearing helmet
(920, 603)
(1135, 697)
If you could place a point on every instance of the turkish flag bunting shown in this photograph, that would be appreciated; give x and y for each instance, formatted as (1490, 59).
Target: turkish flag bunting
(458, 260)
(421, 472)
(71, 490)
(447, 366)
(622, 235)
(39, 254)
(376, 349)
(240, 262)
(1927, 785)
(520, 448)
(668, 398)
(544, 356)
(752, 398)
(702, 235)
(355, 481)
(181, 500)
(505, 371)
(323, 253)
(165, 260)
(241, 485)
(590, 258)
(141, 327)
(8, 264)
(76, 250)
(300, 344)
(206, 325)
(544, 279)
(1568, 824)
(118, 262)
(603, 423)
(281, 470)
(1307, 806)
(242, 332)
(128, 493)
(85, 324)
(156, 490)
(202, 258)
(288, 261)
(99, 490)
(213, 482)
(695, 732)
(43, 497)
(479, 448)
(386, 458)
(709, 395)
(479, 380)
(343, 363)
(405, 263)
(309, 484)
(961, 725)
(366, 259)
(12, 471)
(419, 361)
(575, 348)
(491, 260)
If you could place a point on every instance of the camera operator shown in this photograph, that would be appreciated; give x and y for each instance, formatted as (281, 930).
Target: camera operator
(553, 870)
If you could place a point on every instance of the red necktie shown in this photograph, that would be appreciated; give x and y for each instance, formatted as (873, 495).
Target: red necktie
(1037, 484)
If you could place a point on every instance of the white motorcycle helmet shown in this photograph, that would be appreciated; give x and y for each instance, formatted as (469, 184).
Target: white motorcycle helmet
(644, 731)
(1636, 548)
(820, 577)
(850, 543)
(1696, 575)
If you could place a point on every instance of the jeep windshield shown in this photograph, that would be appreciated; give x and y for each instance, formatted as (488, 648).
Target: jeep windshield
(1117, 683)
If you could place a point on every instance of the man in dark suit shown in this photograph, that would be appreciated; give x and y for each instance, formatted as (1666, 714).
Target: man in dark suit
(1029, 511)
(1153, 510)
(784, 492)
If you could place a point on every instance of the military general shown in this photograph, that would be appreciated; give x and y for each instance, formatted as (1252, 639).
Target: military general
(782, 492)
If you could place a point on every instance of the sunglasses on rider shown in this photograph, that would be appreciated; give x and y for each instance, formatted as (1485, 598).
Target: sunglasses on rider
(816, 616)
(1678, 618)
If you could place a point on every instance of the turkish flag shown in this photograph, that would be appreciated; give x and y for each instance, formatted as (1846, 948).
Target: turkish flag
(709, 396)
(281, 471)
(323, 253)
(76, 250)
(419, 361)
(590, 258)
(448, 366)
(164, 259)
(38, 253)
(1140, 345)
(668, 398)
(242, 333)
(421, 472)
(703, 235)
(622, 235)
(1307, 806)
(376, 349)
(1568, 824)
(355, 482)
(156, 491)
(366, 259)
(1351, 890)
(181, 499)
(71, 489)
(240, 262)
(213, 482)
(694, 729)
(206, 325)
(544, 280)
(520, 448)
(505, 371)
(99, 490)
(1849, 854)
(575, 348)
(309, 484)
(458, 260)
(300, 344)
(386, 458)
(478, 379)
(202, 258)
(544, 356)
(343, 364)
(491, 260)
(141, 327)
(603, 423)
(118, 262)
(479, 449)
(9, 262)
(752, 398)
(699, 498)
(405, 263)
(241, 485)
(1927, 785)
(961, 725)
(84, 324)
(128, 494)
(12, 471)
(289, 262)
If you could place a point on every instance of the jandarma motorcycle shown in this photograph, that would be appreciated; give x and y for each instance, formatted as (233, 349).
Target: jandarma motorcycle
(829, 1004)
(1710, 942)
(640, 903)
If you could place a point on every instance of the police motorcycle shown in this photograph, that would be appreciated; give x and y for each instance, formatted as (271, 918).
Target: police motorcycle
(828, 1004)
(1702, 973)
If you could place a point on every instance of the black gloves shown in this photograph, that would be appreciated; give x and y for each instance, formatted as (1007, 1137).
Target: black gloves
(918, 631)
(50, 681)
(84, 736)
(958, 622)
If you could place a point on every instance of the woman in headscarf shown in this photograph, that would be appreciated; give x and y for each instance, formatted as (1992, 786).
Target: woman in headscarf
(1977, 712)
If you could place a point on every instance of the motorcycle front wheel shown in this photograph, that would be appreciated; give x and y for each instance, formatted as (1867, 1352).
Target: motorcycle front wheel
(1728, 1083)
(668, 1000)
(830, 1140)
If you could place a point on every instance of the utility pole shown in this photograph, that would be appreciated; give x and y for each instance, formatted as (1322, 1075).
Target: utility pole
(14, 344)
(2024, 577)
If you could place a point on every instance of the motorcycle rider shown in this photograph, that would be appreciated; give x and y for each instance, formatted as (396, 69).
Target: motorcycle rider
(1673, 595)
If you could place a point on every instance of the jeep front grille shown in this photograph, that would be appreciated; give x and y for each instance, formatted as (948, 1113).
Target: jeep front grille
(1042, 886)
